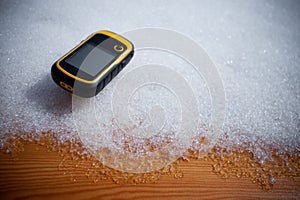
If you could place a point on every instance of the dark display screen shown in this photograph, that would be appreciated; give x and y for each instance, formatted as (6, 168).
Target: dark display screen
(91, 58)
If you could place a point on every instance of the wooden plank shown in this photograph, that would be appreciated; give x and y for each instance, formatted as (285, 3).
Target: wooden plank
(35, 175)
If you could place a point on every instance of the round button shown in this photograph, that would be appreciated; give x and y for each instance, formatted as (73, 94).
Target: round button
(118, 48)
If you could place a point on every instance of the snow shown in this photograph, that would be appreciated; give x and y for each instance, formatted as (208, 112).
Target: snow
(255, 45)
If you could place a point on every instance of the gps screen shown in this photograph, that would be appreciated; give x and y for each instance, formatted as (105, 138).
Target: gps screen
(90, 58)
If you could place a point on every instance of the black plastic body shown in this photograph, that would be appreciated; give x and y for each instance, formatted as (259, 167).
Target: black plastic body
(62, 71)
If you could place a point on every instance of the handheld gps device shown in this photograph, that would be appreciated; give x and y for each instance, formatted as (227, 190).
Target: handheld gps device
(92, 64)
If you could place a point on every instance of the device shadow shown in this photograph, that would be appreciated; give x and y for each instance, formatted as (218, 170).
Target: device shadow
(48, 96)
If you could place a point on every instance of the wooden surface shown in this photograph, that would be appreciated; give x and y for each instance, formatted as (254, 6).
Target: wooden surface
(35, 175)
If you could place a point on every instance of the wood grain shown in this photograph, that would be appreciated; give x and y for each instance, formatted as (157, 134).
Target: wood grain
(35, 175)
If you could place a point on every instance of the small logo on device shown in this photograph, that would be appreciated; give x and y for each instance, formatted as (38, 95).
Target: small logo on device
(118, 48)
(66, 86)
